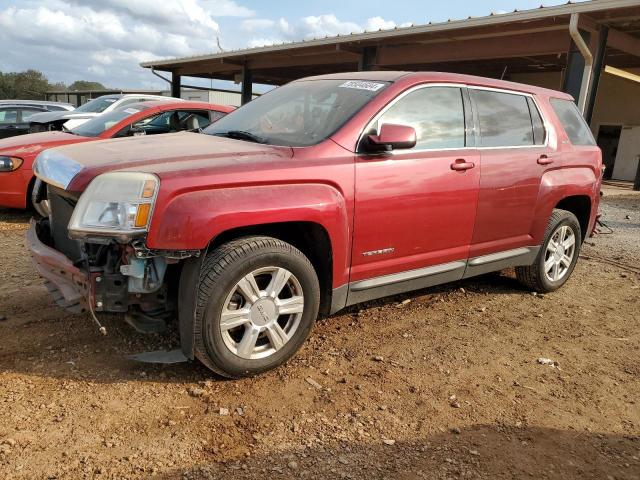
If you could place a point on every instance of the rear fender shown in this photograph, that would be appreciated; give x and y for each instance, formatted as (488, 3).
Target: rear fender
(557, 185)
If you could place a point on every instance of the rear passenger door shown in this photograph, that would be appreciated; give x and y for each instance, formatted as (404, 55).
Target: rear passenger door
(514, 155)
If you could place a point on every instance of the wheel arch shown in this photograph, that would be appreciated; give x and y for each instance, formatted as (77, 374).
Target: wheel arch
(580, 206)
(311, 238)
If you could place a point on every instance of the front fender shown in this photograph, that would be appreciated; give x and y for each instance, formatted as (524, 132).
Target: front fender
(191, 220)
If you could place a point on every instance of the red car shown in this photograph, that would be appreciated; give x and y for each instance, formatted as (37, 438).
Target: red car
(323, 193)
(18, 153)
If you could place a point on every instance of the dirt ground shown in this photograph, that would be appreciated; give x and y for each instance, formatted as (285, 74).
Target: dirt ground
(442, 383)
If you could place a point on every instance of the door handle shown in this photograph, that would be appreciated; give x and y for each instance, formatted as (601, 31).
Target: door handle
(544, 160)
(461, 164)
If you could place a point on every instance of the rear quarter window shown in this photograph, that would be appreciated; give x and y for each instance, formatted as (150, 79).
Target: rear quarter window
(571, 120)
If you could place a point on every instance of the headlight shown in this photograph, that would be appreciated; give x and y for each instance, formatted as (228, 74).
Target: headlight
(117, 204)
(9, 164)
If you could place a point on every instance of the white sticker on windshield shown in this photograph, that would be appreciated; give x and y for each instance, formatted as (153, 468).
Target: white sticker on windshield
(361, 85)
(131, 111)
(110, 100)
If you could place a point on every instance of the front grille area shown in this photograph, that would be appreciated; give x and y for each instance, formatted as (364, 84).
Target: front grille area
(61, 207)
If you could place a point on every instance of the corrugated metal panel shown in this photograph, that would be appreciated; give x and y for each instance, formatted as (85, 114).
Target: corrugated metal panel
(493, 19)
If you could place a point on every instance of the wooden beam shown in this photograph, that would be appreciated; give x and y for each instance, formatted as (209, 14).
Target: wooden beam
(482, 49)
(302, 61)
(624, 42)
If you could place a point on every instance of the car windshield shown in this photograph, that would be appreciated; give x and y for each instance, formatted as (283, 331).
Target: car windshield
(101, 123)
(97, 105)
(298, 114)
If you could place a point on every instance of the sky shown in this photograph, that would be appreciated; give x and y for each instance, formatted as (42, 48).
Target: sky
(105, 40)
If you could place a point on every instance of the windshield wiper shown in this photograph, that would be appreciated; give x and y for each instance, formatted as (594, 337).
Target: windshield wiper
(242, 135)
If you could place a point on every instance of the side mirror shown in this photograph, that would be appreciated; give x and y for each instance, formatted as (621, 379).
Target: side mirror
(392, 137)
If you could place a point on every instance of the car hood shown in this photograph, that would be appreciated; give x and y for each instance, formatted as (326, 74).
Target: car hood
(73, 167)
(47, 117)
(34, 143)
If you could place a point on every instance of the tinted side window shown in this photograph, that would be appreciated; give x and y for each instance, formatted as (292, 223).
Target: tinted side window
(505, 120)
(27, 113)
(572, 122)
(8, 115)
(436, 113)
(538, 125)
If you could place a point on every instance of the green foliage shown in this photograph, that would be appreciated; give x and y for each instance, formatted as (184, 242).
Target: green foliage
(32, 85)
(86, 85)
(27, 85)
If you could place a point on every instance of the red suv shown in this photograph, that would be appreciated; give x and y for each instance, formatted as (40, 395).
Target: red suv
(323, 193)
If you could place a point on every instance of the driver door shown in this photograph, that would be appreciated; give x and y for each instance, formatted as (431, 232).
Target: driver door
(414, 209)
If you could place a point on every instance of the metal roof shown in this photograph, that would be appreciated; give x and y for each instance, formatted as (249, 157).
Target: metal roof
(542, 12)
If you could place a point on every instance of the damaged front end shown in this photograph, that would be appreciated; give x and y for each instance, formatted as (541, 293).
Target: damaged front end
(97, 272)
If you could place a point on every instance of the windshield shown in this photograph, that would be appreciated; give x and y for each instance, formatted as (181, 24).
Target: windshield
(101, 123)
(97, 105)
(298, 114)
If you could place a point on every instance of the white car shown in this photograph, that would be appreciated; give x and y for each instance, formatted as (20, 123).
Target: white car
(69, 120)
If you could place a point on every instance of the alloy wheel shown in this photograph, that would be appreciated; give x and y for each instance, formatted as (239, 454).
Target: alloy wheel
(559, 254)
(262, 312)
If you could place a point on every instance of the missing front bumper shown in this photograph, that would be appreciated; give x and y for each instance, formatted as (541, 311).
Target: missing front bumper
(67, 284)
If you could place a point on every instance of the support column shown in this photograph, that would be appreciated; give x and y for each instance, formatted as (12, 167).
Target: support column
(598, 64)
(573, 76)
(246, 92)
(368, 59)
(176, 85)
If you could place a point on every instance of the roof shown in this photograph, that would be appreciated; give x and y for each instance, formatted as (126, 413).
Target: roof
(382, 76)
(33, 102)
(486, 40)
(438, 77)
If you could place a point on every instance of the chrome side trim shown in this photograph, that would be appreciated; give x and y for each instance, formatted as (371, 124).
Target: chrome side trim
(404, 276)
(494, 257)
(387, 285)
(497, 261)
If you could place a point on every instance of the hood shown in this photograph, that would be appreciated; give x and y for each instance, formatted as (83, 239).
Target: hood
(47, 117)
(34, 143)
(73, 167)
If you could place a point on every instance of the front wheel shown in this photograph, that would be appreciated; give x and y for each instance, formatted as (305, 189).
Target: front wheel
(41, 207)
(558, 254)
(258, 298)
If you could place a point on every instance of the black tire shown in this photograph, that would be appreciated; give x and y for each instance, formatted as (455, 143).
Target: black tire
(534, 276)
(221, 271)
(42, 208)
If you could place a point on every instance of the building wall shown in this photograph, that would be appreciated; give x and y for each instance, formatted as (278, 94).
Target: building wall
(219, 97)
(617, 103)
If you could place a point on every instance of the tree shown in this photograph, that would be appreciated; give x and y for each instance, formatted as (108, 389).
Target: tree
(33, 85)
(27, 85)
(86, 85)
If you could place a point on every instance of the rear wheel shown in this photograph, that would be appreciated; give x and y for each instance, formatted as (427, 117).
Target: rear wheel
(258, 298)
(558, 255)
